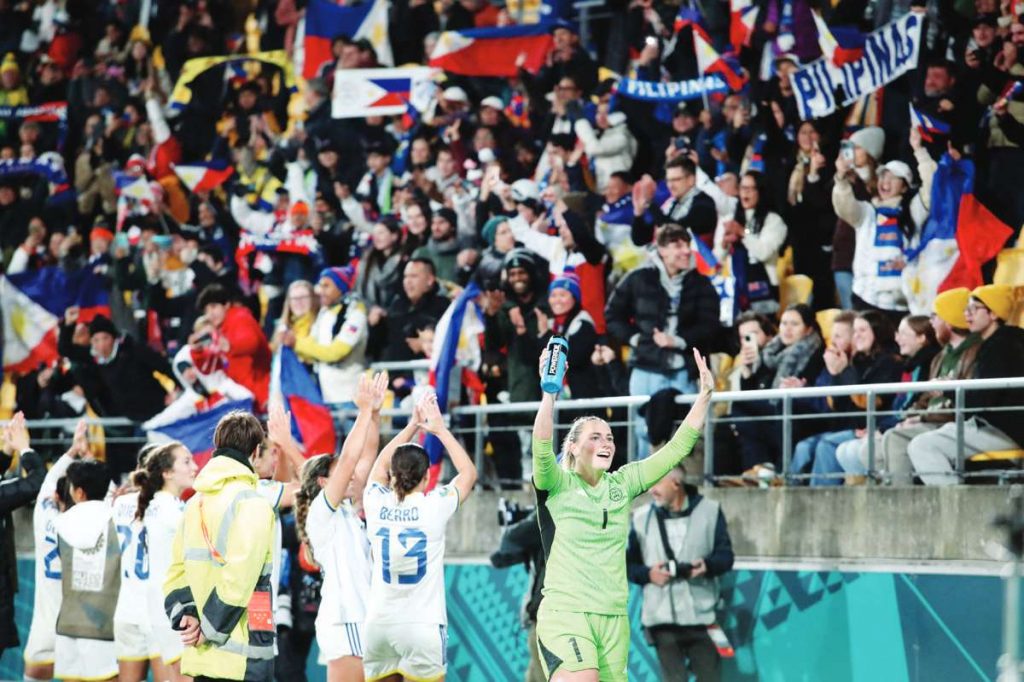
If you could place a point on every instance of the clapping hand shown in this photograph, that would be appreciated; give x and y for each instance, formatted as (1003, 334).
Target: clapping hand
(430, 418)
(80, 441)
(364, 393)
(279, 423)
(380, 390)
(16, 434)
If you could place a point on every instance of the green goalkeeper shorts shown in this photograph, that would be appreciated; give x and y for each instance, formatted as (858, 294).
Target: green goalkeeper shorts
(583, 641)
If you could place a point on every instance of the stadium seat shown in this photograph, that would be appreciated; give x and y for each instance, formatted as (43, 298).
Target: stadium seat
(998, 456)
(1009, 267)
(824, 318)
(795, 289)
(784, 265)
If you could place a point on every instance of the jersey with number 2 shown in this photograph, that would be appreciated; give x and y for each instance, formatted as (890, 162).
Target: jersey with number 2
(407, 541)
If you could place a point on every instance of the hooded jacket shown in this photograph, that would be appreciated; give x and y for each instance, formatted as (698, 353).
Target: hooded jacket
(91, 571)
(222, 576)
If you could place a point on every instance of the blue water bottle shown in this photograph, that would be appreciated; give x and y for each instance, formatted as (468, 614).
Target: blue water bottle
(554, 370)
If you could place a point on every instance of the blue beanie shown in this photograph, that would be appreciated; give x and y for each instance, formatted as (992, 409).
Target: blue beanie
(342, 277)
(568, 281)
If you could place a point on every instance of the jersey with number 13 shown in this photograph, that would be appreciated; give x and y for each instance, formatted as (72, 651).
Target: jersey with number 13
(407, 540)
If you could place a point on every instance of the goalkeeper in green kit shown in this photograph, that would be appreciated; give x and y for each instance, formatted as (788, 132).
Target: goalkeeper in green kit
(584, 515)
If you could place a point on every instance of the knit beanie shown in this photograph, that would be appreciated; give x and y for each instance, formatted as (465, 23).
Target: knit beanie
(997, 297)
(949, 307)
(490, 228)
(871, 140)
(568, 281)
(342, 277)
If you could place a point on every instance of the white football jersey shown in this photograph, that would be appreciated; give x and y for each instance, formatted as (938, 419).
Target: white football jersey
(134, 561)
(163, 516)
(407, 541)
(339, 545)
(48, 592)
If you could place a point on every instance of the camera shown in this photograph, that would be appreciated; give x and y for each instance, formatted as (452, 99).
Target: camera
(680, 570)
(510, 512)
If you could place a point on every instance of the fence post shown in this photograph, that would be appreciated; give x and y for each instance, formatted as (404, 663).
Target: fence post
(630, 432)
(787, 432)
(709, 445)
(958, 413)
(478, 447)
(871, 434)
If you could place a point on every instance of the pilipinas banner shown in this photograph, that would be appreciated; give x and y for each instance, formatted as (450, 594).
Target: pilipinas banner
(821, 87)
(181, 96)
(48, 112)
(381, 92)
(674, 91)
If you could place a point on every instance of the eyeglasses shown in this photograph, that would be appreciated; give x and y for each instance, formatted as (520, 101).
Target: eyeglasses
(975, 307)
(299, 297)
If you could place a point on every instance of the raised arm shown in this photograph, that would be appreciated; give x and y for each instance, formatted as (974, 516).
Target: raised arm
(653, 468)
(279, 430)
(433, 423)
(546, 472)
(341, 474)
(379, 473)
(371, 444)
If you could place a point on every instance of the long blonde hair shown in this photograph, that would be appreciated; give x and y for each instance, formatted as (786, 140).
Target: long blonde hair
(287, 319)
(575, 430)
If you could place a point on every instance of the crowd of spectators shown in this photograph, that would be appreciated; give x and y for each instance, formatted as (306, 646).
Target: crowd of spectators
(575, 210)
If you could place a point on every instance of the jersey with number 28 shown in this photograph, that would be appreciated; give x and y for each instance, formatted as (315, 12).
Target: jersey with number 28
(134, 561)
(407, 541)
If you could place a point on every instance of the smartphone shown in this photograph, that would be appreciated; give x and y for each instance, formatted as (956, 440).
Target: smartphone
(846, 148)
(652, 41)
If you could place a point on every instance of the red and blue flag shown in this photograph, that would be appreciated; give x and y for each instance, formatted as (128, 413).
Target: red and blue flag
(492, 51)
(312, 422)
(196, 431)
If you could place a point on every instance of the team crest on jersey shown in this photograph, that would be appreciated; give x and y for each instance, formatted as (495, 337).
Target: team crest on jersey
(615, 494)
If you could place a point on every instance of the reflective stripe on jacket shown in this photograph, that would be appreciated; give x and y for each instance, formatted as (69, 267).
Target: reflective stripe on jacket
(220, 572)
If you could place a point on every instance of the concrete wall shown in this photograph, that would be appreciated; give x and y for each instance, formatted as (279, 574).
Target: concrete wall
(905, 524)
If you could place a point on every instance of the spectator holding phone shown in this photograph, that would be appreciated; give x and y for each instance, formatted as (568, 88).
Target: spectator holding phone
(678, 547)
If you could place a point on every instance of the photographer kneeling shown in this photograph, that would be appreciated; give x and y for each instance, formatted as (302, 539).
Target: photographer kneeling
(678, 547)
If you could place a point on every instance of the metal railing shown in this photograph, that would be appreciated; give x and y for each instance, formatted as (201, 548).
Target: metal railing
(471, 422)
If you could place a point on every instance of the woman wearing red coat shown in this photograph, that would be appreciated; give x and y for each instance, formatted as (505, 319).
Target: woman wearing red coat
(247, 350)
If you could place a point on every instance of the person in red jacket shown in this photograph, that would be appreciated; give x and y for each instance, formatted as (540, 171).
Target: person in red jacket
(239, 334)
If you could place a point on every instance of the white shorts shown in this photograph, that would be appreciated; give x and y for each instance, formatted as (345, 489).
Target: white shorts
(41, 639)
(84, 659)
(133, 642)
(339, 641)
(414, 650)
(166, 640)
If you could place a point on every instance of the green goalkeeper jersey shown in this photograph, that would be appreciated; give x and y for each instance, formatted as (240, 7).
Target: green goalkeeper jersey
(585, 528)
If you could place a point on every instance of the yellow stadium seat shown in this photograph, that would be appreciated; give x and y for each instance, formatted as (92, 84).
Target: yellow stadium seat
(1009, 267)
(824, 318)
(998, 456)
(795, 289)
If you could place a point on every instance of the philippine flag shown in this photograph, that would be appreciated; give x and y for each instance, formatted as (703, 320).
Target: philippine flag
(709, 61)
(134, 188)
(492, 51)
(325, 21)
(312, 423)
(456, 345)
(840, 45)
(706, 262)
(382, 92)
(203, 177)
(742, 17)
(33, 303)
(196, 431)
(690, 16)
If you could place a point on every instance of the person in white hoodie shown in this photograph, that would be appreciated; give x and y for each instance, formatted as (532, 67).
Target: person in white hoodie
(885, 227)
(91, 578)
(611, 147)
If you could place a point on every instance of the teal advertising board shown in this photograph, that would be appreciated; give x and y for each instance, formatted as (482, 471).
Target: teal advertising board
(790, 626)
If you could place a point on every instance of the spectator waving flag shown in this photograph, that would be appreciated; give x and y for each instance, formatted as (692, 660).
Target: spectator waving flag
(690, 16)
(709, 61)
(929, 126)
(456, 346)
(312, 422)
(32, 304)
(742, 17)
(203, 177)
(840, 45)
(196, 431)
(325, 21)
(704, 256)
(492, 51)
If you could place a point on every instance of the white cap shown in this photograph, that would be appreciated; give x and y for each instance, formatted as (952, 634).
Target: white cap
(900, 170)
(525, 190)
(455, 94)
(486, 155)
(492, 102)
